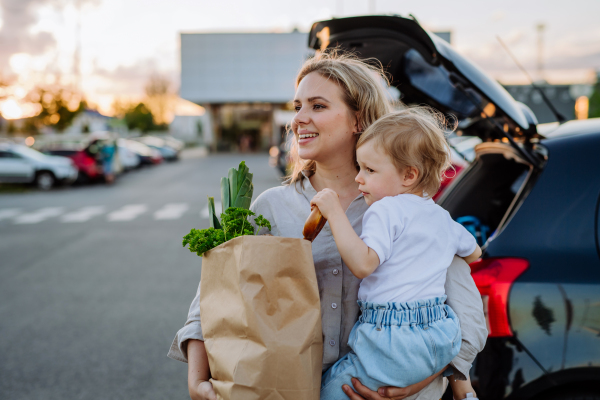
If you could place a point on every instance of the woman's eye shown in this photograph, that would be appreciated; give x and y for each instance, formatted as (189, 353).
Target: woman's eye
(297, 108)
(318, 106)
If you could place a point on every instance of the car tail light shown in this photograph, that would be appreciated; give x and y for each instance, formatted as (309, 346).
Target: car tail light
(494, 278)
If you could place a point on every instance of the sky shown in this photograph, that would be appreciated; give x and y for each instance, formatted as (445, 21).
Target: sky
(123, 42)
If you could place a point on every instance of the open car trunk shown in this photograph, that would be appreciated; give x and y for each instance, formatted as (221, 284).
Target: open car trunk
(490, 189)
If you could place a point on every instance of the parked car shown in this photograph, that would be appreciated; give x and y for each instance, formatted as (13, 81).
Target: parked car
(21, 164)
(167, 152)
(127, 157)
(147, 155)
(532, 199)
(87, 166)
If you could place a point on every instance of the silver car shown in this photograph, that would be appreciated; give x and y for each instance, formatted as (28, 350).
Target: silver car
(21, 164)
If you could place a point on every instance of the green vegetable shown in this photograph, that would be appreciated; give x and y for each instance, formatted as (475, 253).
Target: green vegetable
(236, 196)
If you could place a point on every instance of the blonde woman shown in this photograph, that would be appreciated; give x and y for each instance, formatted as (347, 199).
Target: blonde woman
(337, 97)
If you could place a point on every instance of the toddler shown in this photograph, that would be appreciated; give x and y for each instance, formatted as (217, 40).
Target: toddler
(406, 332)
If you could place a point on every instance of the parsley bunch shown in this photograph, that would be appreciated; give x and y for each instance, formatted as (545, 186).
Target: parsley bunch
(234, 223)
(236, 195)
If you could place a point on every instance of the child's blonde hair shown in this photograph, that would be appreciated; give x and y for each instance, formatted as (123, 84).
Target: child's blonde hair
(362, 84)
(413, 137)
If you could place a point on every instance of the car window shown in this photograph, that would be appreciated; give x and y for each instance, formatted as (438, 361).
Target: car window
(30, 153)
(8, 154)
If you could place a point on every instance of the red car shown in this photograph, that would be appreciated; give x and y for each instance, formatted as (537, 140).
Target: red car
(85, 163)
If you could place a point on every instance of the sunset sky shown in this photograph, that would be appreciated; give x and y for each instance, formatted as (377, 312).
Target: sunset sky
(124, 41)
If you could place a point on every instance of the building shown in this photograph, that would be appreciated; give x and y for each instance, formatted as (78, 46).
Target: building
(244, 81)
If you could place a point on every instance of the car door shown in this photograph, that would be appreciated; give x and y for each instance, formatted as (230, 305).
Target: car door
(14, 168)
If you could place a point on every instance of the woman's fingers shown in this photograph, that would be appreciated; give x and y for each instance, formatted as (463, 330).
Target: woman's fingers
(386, 392)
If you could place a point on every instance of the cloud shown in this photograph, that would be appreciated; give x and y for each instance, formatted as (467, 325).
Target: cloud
(130, 79)
(18, 17)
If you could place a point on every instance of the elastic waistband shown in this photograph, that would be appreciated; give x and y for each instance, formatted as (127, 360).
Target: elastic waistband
(418, 312)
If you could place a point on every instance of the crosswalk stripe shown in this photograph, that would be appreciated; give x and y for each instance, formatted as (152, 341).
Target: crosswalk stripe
(38, 215)
(9, 213)
(171, 211)
(83, 214)
(127, 213)
(204, 212)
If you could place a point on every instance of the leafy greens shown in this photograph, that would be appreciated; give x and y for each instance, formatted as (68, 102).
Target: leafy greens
(236, 196)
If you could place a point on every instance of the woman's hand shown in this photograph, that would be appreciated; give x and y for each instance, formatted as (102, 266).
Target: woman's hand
(361, 392)
(203, 391)
(328, 202)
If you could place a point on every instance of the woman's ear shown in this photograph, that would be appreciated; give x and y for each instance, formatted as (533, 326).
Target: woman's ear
(357, 125)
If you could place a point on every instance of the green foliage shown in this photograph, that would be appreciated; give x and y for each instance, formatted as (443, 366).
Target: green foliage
(594, 110)
(236, 195)
(58, 107)
(140, 117)
(234, 222)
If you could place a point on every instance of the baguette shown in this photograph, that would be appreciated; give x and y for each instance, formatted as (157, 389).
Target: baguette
(314, 223)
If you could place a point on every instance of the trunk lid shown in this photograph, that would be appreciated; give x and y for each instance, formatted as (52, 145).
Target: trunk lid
(426, 70)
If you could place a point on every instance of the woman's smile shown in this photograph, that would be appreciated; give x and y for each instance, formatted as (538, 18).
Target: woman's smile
(305, 137)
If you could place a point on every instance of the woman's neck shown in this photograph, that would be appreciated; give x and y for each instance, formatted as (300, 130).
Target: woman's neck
(339, 178)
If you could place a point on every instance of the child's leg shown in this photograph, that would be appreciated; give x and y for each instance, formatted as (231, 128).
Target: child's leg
(341, 373)
(460, 389)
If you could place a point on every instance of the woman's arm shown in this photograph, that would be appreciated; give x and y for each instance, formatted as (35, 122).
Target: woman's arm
(465, 300)
(387, 392)
(198, 372)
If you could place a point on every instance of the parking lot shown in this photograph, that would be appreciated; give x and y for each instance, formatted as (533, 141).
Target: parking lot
(94, 281)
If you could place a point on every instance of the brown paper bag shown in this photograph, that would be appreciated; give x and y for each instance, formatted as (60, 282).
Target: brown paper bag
(261, 319)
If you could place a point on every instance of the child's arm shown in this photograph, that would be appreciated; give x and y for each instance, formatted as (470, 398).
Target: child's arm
(473, 256)
(361, 259)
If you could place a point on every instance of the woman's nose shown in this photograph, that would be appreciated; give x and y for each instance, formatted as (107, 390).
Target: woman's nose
(301, 117)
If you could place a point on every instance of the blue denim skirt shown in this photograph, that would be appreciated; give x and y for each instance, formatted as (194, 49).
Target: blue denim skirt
(396, 344)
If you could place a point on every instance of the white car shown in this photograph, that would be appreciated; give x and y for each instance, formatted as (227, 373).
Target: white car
(21, 164)
(128, 158)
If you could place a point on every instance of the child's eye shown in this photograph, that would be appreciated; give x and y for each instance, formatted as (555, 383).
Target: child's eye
(369, 170)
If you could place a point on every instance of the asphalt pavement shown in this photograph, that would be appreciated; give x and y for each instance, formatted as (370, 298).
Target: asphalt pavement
(94, 281)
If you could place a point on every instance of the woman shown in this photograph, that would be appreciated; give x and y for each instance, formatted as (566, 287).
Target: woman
(337, 97)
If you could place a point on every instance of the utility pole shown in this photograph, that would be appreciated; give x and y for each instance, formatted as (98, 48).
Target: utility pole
(540, 50)
(77, 53)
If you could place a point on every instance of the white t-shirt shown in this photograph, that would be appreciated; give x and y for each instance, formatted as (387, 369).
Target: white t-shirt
(415, 240)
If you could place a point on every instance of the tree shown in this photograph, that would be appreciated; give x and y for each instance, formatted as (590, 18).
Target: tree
(159, 98)
(58, 107)
(140, 117)
(594, 104)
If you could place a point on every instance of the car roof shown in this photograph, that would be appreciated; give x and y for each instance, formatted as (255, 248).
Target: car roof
(575, 127)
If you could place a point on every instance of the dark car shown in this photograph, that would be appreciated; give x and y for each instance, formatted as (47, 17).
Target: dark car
(533, 200)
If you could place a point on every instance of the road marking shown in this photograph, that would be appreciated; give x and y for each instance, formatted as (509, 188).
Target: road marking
(39, 215)
(204, 212)
(83, 214)
(9, 213)
(127, 213)
(171, 211)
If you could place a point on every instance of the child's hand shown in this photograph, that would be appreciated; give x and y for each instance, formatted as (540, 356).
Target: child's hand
(328, 202)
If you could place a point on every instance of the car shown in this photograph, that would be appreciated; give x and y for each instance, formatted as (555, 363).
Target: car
(21, 164)
(147, 155)
(128, 158)
(86, 164)
(531, 198)
(167, 152)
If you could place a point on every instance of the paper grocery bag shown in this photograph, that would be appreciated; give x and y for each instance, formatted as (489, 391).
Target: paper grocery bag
(261, 319)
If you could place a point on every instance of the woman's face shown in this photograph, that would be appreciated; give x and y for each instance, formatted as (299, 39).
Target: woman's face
(324, 126)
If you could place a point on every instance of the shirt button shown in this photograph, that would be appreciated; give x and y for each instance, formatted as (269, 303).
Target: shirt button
(332, 342)
(334, 305)
(336, 271)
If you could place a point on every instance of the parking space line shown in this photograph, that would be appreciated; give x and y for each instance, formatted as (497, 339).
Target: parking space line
(8, 213)
(127, 213)
(38, 215)
(84, 214)
(171, 211)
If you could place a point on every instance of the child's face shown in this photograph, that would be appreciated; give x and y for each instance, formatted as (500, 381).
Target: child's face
(378, 176)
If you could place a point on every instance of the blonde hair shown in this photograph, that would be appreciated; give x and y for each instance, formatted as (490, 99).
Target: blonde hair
(414, 137)
(363, 93)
